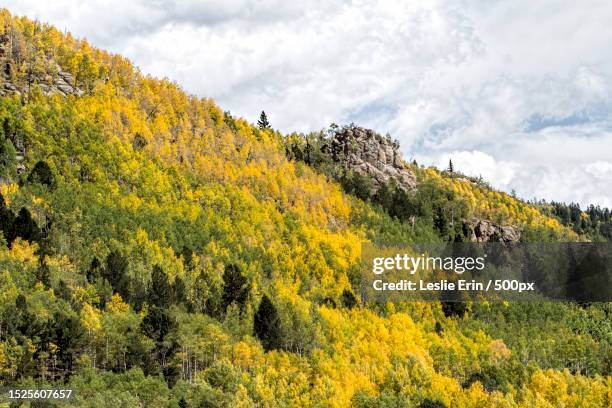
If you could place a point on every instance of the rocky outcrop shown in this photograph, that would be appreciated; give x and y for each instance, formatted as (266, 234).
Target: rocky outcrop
(19, 72)
(367, 153)
(487, 231)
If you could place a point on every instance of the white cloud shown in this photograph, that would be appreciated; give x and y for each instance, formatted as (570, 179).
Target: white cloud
(600, 169)
(520, 92)
(576, 183)
(476, 163)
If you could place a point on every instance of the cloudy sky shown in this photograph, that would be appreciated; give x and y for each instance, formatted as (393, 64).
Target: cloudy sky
(518, 91)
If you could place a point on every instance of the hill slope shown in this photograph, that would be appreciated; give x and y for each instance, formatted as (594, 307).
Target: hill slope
(158, 249)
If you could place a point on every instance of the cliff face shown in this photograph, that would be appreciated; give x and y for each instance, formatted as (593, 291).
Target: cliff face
(487, 231)
(369, 154)
(21, 69)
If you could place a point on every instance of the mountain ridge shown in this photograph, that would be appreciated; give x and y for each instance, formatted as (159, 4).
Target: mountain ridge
(188, 260)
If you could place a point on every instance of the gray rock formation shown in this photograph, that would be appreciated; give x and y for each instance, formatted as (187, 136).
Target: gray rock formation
(367, 153)
(487, 231)
(49, 76)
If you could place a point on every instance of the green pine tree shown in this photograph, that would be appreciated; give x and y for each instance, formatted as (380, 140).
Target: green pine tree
(266, 325)
(24, 226)
(6, 219)
(41, 173)
(348, 299)
(263, 122)
(235, 287)
(160, 293)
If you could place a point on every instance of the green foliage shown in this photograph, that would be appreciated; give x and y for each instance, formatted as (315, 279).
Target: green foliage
(263, 123)
(8, 159)
(139, 142)
(43, 274)
(267, 325)
(429, 403)
(23, 226)
(157, 324)
(115, 272)
(7, 219)
(160, 293)
(386, 400)
(357, 185)
(146, 206)
(433, 205)
(41, 173)
(348, 299)
(94, 271)
(594, 221)
(235, 288)
(454, 308)
(222, 375)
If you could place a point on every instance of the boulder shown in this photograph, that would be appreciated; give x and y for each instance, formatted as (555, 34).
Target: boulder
(487, 231)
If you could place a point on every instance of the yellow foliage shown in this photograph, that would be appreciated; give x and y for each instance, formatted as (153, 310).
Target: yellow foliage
(90, 317)
(497, 206)
(117, 305)
(8, 191)
(23, 252)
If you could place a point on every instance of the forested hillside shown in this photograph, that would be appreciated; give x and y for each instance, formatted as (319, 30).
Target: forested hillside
(157, 251)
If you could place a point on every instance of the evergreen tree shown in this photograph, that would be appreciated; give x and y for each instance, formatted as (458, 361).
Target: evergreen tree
(63, 291)
(171, 375)
(7, 158)
(451, 169)
(294, 151)
(21, 302)
(429, 403)
(183, 403)
(230, 121)
(136, 293)
(139, 142)
(94, 270)
(41, 173)
(6, 218)
(308, 153)
(589, 276)
(263, 123)
(235, 287)
(115, 273)
(187, 254)
(157, 323)
(440, 221)
(454, 307)
(266, 325)
(179, 291)
(24, 226)
(160, 292)
(329, 302)
(358, 185)
(68, 335)
(401, 204)
(384, 196)
(43, 274)
(348, 299)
